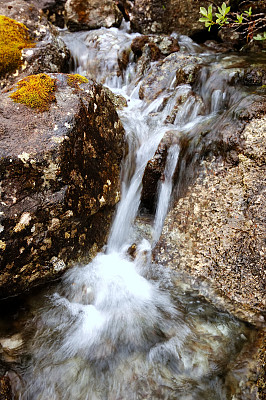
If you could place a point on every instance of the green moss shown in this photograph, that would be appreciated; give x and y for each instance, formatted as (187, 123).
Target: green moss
(36, 91)
(74, 80)
(14, 37)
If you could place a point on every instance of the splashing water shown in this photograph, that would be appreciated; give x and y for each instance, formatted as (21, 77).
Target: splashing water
(120, 328)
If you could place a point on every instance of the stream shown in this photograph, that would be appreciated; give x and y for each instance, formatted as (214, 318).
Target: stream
(122, 327)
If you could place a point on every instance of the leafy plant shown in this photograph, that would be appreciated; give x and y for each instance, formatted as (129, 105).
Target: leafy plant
(239, 18)
(222, 15)
(207, 16)
(246, 24)
(249, 12)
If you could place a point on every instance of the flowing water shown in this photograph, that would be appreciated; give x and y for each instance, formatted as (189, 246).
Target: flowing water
(121, 328)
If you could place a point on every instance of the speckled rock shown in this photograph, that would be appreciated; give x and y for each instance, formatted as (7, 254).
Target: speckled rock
(176, 67)
(118, 100)
(255, 75)
(53, 9)
(160, 45)
(5, 388)
(50, 54)
(59, 182)
(216, 232)
(92, 14)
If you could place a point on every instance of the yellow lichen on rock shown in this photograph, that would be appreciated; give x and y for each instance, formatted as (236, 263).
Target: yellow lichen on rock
(36, 91)
(74, 80)
(14, 37)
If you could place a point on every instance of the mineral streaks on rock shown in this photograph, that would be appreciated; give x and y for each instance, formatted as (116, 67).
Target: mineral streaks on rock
(58, 186)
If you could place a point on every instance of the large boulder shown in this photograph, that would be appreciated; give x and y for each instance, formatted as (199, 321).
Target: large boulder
(216, 231)
(48, 52)
(92, 14)
(59, 168)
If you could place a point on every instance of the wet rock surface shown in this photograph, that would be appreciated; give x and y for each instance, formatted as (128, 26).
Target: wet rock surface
(59, 182)
(91, 14)
(154, 171)
(176, 67)
(216, 232)
(49, 53)
(160, 45)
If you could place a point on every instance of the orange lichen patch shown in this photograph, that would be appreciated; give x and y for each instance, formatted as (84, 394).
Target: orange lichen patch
(14, 37)
(74, 80)
(36, 91)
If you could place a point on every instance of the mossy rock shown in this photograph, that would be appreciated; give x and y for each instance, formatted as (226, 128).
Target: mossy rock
(14, 37)
(36, 91)
(74, 80)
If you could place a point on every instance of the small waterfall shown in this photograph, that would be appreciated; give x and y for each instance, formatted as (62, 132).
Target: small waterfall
(120, 328)
(139, 131)
(165, 191)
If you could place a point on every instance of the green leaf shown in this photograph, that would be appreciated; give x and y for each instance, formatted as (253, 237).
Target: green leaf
(239, 18)
(203, 11)
(203, 19)
(223, 7)
(249, 12)
(210, 10)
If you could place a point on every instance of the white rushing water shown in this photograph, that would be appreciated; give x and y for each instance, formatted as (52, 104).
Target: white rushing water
(120, 328)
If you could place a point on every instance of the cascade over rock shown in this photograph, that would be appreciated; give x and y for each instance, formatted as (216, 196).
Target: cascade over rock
(59, 181)
(121, 312)
(176, 67)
